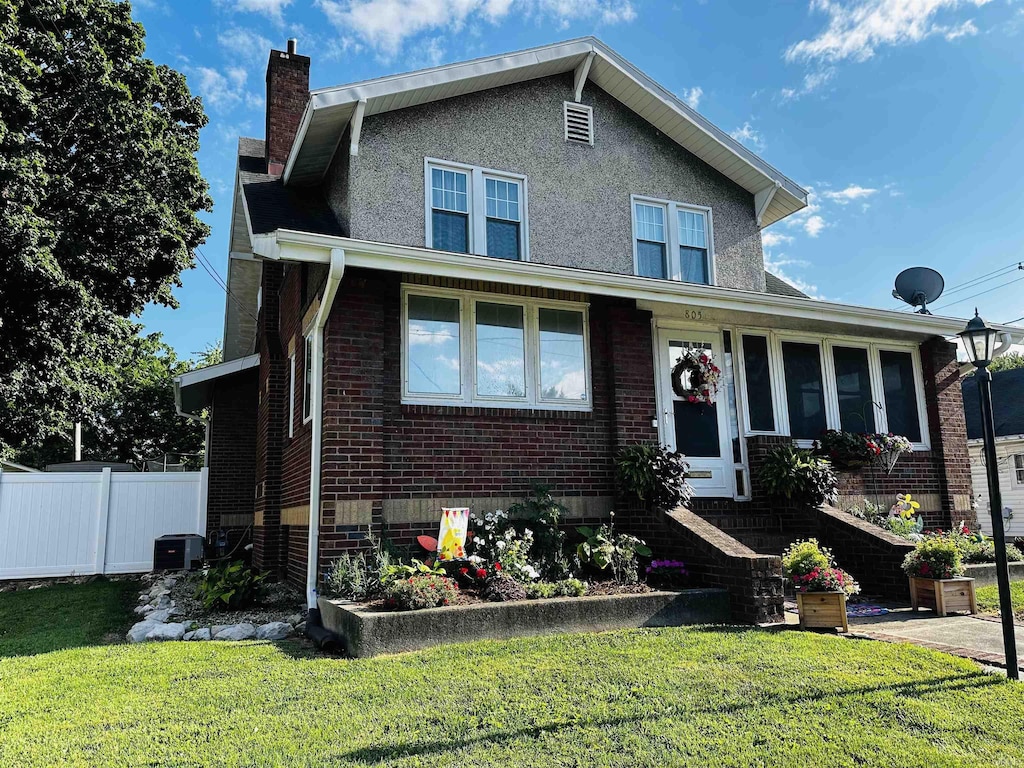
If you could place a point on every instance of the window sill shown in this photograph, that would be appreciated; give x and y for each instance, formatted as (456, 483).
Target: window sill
(498, 410)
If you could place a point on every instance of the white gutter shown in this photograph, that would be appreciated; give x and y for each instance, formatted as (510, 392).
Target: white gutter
(334, 275)
(290, 245)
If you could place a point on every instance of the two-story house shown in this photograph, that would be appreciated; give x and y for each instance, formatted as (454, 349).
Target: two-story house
(449, 284)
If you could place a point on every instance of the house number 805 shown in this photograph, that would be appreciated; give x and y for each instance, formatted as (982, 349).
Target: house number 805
(693, 314)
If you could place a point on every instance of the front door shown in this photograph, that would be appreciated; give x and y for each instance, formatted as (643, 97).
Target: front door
(700, 431)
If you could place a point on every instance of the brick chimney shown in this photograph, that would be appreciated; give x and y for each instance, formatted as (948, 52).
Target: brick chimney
(287, 94)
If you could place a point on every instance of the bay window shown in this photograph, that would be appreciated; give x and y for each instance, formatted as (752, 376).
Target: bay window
(800, 386)
(465, 348)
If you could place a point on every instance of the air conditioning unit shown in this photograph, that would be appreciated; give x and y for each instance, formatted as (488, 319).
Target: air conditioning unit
(177, 552)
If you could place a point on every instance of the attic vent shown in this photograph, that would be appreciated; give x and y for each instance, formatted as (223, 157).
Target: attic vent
(579, 123)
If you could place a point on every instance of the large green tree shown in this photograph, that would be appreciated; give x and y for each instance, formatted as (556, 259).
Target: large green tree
(99, 195)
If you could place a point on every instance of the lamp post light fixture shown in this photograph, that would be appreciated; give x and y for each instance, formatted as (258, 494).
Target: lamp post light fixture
(979, 340)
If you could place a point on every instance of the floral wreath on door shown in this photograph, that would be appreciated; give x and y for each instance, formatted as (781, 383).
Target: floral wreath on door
(695, 368)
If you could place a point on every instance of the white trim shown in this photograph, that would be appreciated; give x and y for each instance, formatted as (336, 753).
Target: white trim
(763, 199)
(356, 127)
(308, 379)
(291, 395)
(579, 78)
(467, 351)
(210, 372)
(291, 245)
(673, 264)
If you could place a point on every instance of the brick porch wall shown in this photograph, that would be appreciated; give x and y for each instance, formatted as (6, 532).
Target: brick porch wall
(232, 455)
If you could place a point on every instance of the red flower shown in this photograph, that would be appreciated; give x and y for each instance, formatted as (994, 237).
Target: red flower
(497, 566)
(481, 572)
(463, 571)
(692, 399)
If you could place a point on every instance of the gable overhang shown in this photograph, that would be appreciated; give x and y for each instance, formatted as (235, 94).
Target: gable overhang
(330, 111)
(660, 296)
(193, 391)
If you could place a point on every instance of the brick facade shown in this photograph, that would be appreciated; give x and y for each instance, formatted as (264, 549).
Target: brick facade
(232, 456)
(287, 94)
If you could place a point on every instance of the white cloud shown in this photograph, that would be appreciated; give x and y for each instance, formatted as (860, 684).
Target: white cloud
(770, 238)
(856, 30)
(848, 195)
(814, 225)
(427, 53)
(272, 9)
(385, 25)
(746, 134)
(245, 44)
(692, 96)
(418, 334)
(223, 90)
(778, 267)
(812, 81)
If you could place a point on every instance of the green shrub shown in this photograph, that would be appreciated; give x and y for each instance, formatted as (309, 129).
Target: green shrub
(654, 475)
(424, 590)
(540, 514)
(605, 549)
(804, 556)
(935, 558)
(978, 548)
(547, 589)
(798, 475)
(902, 526)
(351, 577)
(229, 586)
(393, 572)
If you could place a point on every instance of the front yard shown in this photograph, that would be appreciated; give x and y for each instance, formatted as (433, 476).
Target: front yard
(988, 599)
(687, 696)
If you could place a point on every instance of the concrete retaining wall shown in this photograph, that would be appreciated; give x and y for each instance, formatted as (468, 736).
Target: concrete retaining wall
(368, 632)
(984, 574)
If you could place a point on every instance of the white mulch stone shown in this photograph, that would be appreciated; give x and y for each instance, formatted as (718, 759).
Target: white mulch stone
(172, 631)
(139, 631)
(274, 630)
(142, 610)
(236, 632)
(202, 634)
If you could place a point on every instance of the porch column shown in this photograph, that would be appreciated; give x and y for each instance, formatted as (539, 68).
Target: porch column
(948, 430)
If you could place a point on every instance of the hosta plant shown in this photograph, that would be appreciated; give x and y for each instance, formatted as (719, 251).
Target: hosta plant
(229, 585)
(605, 549)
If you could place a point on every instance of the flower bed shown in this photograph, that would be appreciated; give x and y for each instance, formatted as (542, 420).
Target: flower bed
(367, 632)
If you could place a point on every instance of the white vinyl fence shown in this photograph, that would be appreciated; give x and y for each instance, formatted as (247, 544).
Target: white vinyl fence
(80, 523)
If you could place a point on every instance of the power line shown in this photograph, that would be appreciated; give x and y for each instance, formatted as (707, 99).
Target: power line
(980, 293)
(204, 262)
(1000, 272)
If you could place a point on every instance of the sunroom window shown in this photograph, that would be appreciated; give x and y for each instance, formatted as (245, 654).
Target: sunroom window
(476, 210)
(901, 397)
(462, 348)
(853, 387)
(804, 389)
(672, 241)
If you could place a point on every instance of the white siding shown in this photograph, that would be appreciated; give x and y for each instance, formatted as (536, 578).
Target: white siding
(75, 523)
(1012, 492)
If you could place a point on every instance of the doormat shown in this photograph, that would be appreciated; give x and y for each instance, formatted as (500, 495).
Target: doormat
(859, 610)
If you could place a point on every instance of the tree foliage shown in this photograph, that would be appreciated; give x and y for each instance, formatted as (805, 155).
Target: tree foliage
(1007, 361)
(99, 195)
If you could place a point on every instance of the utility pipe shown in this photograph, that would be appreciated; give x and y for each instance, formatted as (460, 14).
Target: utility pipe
(334, 275)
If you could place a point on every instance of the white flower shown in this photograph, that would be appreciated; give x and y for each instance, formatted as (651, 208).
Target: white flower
(501, 545)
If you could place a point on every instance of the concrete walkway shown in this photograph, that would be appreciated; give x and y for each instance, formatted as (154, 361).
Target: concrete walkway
(973, 637)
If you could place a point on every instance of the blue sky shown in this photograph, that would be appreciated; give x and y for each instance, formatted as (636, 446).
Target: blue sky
(905, 119)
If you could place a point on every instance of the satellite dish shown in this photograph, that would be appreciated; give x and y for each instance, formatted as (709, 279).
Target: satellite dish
(919, 287)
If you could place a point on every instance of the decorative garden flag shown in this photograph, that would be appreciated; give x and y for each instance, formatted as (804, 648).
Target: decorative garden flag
(451, 539)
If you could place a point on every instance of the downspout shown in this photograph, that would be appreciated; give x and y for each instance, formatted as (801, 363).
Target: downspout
(334, 275)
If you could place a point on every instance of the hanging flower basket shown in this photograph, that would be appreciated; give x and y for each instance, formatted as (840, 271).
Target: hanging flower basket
(695, 377)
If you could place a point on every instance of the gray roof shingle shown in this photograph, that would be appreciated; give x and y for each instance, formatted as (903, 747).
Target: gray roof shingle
(272, 206)
(778, 286)
(1007, 403)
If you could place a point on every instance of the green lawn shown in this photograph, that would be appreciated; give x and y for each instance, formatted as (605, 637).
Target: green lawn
(988, 599)
(668, 697)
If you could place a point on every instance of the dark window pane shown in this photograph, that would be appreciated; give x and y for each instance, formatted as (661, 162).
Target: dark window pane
(900, 394)
(450, 231)
(802, 365)
(759, 385)
(503, 239)
(650, 259)
(696, 429)
(694, 265)
(853, 383)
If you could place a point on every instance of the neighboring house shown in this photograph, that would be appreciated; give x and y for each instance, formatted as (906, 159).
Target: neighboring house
(449, 284)
(1008, 409)
(10, 466)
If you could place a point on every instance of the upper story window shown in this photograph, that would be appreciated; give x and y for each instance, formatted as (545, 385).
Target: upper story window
(462, 348)
(1018, 469)
(476, 210)
(801, 386)
(672, 241)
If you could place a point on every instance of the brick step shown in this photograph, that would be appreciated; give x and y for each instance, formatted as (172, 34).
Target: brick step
(764, 543)
(748, 523)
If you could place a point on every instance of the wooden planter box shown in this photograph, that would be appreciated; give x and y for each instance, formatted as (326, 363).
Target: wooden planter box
(943, 595)
(822, 609)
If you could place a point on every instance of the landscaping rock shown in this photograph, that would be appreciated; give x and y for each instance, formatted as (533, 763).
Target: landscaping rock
(142, 610)
(163, 602)
(237, 632)
(201, 634)
(218, 628)
(295, 619)
(139, 631)
(188, 635)
(274, 630)
(172, 631)
(300, 628)
(160, 615)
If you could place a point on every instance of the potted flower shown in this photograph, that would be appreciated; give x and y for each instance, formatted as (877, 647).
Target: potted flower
(821, 588)
(936, 569)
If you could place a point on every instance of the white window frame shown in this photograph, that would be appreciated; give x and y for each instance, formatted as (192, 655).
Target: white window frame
(291, 395)
(307, 372)
(829, 387)
(1016, 468)
(671, 208)
(476, 188)
(467, 351)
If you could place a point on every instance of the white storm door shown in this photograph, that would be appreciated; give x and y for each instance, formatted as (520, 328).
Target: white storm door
(700, 431)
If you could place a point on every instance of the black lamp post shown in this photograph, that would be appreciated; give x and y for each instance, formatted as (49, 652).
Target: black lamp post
(979, 339)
